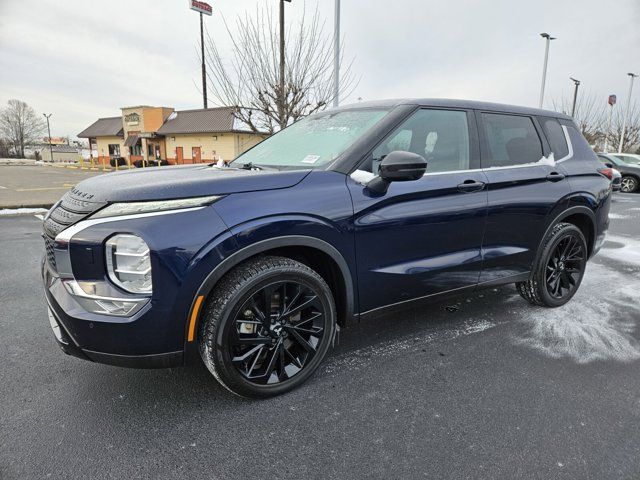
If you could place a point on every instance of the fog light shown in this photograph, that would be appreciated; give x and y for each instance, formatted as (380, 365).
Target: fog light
(104, 305)
(129, 263)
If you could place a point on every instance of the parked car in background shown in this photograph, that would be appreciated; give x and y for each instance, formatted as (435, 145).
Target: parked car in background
(630, 173)
(345, 214)
(630, 158)
(616, 181)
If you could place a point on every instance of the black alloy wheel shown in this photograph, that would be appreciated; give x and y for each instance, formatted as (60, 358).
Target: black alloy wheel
(565, 267)
(276, 332)
(560, 267)
(267, 326)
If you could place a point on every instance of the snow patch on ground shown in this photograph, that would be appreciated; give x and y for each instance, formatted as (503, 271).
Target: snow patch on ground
(622, 249)
(359, 358)
(590, 327)
(21, 211)
(617, 216)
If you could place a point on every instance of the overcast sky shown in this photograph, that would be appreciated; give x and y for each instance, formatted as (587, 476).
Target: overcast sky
(82, 60)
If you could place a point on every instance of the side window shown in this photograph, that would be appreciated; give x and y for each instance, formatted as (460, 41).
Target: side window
(555, 135)
(440, 136)
(511, 139)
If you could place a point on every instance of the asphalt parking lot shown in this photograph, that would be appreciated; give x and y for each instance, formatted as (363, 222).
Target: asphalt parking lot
(37, 185)
(480, 386)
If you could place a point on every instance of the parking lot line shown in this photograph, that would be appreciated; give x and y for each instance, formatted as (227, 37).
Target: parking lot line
(40, 189)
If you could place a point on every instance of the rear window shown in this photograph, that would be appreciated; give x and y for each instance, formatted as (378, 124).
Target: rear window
(511, 140)
(555, 135)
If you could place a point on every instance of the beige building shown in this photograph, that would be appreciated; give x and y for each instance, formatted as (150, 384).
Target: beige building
(145, 134)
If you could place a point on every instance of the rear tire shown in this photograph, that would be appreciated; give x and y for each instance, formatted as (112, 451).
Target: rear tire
(267, 327)
(628, 184)
(559, 270)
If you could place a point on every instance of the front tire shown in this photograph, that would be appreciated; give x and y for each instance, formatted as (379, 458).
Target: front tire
(559, 270)
(628, 184)
(267, 326)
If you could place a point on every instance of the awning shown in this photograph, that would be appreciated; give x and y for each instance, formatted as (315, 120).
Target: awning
(131, 141)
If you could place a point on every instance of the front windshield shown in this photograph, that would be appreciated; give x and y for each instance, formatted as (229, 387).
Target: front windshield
(313, 141)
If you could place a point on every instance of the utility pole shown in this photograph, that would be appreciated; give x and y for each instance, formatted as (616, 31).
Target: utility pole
(282, 97)
(611, 101)
(632, 77)
(49, 132)
(204, 72)
(548, 39)
(336, 54)
(576, 84)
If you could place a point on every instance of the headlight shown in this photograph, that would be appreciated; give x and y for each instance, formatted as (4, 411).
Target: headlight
(132, 208)
(129, 263)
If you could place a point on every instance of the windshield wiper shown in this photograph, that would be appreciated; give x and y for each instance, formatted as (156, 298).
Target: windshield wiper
(254, 166)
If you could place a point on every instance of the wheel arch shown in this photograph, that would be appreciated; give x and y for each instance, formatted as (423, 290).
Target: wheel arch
(313, 252)
(582, 217)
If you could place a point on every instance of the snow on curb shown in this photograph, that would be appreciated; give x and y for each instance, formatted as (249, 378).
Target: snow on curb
(9, 212)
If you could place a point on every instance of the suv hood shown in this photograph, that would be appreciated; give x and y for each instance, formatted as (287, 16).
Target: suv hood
(162, 183)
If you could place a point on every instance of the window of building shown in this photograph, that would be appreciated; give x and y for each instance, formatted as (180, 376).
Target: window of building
(440, 136)
(150, 149)
(136, 149)
(511, 139)
(555, 135)
(114, 150)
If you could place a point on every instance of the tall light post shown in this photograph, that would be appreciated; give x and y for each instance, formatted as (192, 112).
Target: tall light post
(49, 132)
(336, 54)
(202, 8)
(576, 84)
(548, 39)
(632, 77)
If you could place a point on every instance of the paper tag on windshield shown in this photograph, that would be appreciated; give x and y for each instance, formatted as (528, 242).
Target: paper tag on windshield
(310, 159)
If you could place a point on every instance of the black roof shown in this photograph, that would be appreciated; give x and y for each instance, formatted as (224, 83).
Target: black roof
(453, 103)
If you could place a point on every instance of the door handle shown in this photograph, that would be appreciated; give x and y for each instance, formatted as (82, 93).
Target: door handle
(469, 186)
(555, 177)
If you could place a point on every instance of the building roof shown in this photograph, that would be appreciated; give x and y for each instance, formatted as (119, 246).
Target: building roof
(203, 120)
(59, 148)
(103, 127)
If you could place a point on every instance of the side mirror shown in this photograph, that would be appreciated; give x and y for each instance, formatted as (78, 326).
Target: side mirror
(398, 166)
(608, 165)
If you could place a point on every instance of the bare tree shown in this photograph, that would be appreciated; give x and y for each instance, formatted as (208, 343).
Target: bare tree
(250, 79)
(631, 139)
(590, 115)
(20, 125)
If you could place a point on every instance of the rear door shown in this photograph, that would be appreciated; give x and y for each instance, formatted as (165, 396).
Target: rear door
(422, 237)
(526, 187)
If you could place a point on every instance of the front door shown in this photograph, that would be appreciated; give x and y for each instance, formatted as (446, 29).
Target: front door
(422, 237)
(526, 188)
(195, 155)
(179, 156)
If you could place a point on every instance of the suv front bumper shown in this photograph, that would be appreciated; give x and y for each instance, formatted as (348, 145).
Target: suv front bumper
(89, 338)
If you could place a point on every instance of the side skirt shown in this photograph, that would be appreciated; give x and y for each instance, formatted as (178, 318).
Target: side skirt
(520, 277)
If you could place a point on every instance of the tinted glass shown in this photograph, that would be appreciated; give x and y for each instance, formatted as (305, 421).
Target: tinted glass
(511, 139)
(313, 141)
(555, 135)
(440, 136)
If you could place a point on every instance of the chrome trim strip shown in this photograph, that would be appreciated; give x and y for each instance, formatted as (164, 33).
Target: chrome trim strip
(65, 235)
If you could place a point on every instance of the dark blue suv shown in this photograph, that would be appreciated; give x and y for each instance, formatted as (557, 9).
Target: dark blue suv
(347, 213)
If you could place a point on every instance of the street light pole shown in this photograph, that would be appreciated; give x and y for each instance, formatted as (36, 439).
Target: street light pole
(632, 77)
(336, 54)
(49, 132)
(548, 39)
(576, 84)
